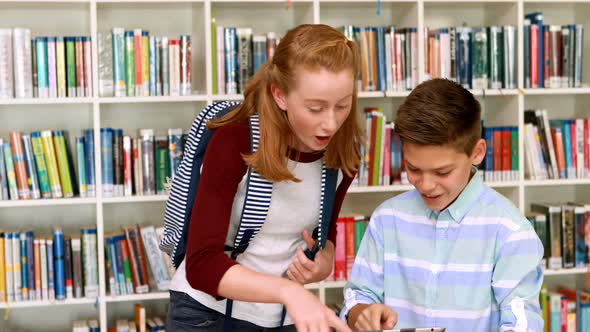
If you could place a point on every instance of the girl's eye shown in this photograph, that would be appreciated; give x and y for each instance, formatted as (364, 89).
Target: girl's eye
(342, 108)
(315, 110)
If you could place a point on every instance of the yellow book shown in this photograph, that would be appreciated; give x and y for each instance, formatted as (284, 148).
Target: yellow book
(63, 164)
(145, 63)
(51, 162)
(2, 270)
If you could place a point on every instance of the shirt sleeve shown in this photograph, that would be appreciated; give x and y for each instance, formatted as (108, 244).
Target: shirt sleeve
(365, 283)
(517, 281)
(223, 169)
(338, 199)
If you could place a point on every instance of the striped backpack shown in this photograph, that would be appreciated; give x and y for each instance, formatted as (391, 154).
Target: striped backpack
(179, 205)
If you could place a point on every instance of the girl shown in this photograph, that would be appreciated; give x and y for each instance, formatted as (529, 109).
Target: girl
(305, 97)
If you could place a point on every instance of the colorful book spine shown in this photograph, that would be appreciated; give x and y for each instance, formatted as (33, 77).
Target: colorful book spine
(130, 63)
(185, 65)
(90, 170)
(127, 166)
(50, 270)
(175, 148)
(42, 67)
(58, 253)
(24, 266)
(119, 62)
(2, 270)
(3, 180)
(31, 167)
(145, 63)
(16, 266)
(37, 269)
(69, 273)
(43, 257)
(71, 82)
(162, 164)
(106, 142)
(158, 57)
(138, 166)
(60, 59)
(31, 266)
(165, 67)
(40, 165)
(152, 54)
(81, 162)
(174, 70)
(6, 66)
(62, 160)
(51, 67)
(137, 40)
(20, 165)
(8, 266)
(118, 162)
(87, 52)
(51, 160)
(158, 268)
(10, 174)
(111, 268)
(23, 66)
(77, 268)
(80, 79)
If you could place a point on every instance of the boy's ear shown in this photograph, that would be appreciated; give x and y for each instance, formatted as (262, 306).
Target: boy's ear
(279, 97)
(479, 152)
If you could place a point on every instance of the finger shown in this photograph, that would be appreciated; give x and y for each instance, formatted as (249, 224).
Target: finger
(309, 241)
(323, 326)
(336, 323)
(304, 261)
(300, 327)
(390, 318)
(294, 278)
(298, 269)
(375, 320)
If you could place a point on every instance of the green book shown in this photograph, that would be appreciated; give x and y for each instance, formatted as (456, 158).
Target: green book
(62, 163)
(162, 164)
(42, 172)
(514, 153)
(213, 55)
(479, 63)
(496, 56)
(359, 232)
(71, 66)
(129, 63)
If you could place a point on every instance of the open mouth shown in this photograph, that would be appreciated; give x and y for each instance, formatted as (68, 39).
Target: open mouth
(323, 139)
(430, 197)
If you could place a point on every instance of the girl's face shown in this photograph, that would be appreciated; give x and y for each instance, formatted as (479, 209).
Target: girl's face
(317, 106)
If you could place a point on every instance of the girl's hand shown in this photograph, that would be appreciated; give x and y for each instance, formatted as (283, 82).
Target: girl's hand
(304, 271)
(307, 313)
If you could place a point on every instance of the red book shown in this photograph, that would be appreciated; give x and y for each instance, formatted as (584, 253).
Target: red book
(126, 256)
(573, 141)
(349, 241)
(340, 251)
(546, 57)
(534, 63)
(497, 139)
(138, 54)
(506, 157)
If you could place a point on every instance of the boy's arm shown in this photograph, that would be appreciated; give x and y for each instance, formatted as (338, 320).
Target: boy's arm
(365, 283)
(517, 281)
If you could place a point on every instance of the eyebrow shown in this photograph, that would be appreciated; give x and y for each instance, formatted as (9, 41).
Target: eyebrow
(325, 101)
(436, 169)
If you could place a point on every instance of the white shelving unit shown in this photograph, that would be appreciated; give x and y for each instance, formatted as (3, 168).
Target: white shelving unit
(175, 17)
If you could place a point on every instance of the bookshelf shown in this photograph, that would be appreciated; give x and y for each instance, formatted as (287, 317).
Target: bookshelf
(175, 17)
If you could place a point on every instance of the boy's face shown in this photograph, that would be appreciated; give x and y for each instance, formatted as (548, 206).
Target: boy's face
(440, 172)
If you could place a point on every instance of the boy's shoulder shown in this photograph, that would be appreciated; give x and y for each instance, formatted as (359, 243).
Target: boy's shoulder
(492, 204)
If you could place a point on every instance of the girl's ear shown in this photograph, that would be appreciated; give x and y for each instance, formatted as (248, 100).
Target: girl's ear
(279, 97)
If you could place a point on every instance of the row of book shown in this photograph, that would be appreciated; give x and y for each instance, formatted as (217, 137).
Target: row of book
(41, 165)
(127, 256)
(476, 58)
(389, 57)
(237, 53)
(564, 230)
(556, 149)
(501, 159)
(143, 165)
(44, 67)
(350, 231)
(140, 323)
(565, 309)
(552, 53)
(48, 268)
(135, 63)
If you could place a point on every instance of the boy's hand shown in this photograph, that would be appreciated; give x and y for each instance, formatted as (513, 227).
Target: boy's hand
(304, 271)
(364, 317)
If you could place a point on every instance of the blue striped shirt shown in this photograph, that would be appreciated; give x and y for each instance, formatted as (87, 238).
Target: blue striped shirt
(471, 267)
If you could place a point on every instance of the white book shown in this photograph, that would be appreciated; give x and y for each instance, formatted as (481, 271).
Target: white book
(157, 265)
(23, 66)
(8, 267)
(6, 67)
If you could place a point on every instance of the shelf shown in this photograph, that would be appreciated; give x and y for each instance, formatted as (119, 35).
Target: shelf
(562, 272)
(46, 101)
(494, 92)
(30, 304)
(151, 99)
(135, 199)
(138, 297)
(558, 182)
(561, 91)
(227, 97)
(48, 202)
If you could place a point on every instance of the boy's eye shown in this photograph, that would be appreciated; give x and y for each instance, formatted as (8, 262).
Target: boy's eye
(443, 173)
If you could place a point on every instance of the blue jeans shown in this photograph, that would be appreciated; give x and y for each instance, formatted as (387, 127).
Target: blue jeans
(186, 314)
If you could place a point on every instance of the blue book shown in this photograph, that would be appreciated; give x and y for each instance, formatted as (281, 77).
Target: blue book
(153, 76)
(24, 265)
(50, 270)
(118, 261)
(463, 56)
(381, 65)
(489, 158)
(42, 67)
(3, 183)
(59, 267)
(30, 258)
(113, 284)
(90, 174)
(81, 162)
(106, 150)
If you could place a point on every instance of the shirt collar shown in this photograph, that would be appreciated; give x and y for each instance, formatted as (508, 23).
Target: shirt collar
(467, 198)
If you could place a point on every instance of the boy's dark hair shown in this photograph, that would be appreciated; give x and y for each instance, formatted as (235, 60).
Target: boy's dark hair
(440, 112)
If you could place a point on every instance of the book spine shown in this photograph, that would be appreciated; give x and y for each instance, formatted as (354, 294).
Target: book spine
(69, 274)
(31, 266)
(153, 60)
(87, 52)
(23, 68)
(3, 175)
(137, 43)
(24, 266)
(119, 58)
(10, 174)
(50, 270)
(58, 253)
(175, 148)
(6, 66)
(2, 270)
(118, 162)
(16, 266)
(127, 166)
(90, 170)
(174, 63)
(130, 63)
(147, 156)
(51, 67)
(106, 142)
(90, 262)
(42, 67)
(81, 162)
(186, 65)
(20, 165)
(145, 63)
(78, 282)
(43, 268)
(8, 266)
(63, 164)
(60, 57)
(165, 66)
(106, 55)
(37, 269)
(70, 68)
(51, 160)
(158, 268)
(162, 164)
(31, 167)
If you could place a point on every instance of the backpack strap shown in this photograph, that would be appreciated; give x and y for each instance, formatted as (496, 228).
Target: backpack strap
(179, 205)
(257, 200)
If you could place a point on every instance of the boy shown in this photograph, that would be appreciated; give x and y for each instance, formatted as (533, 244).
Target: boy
(452, 253)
